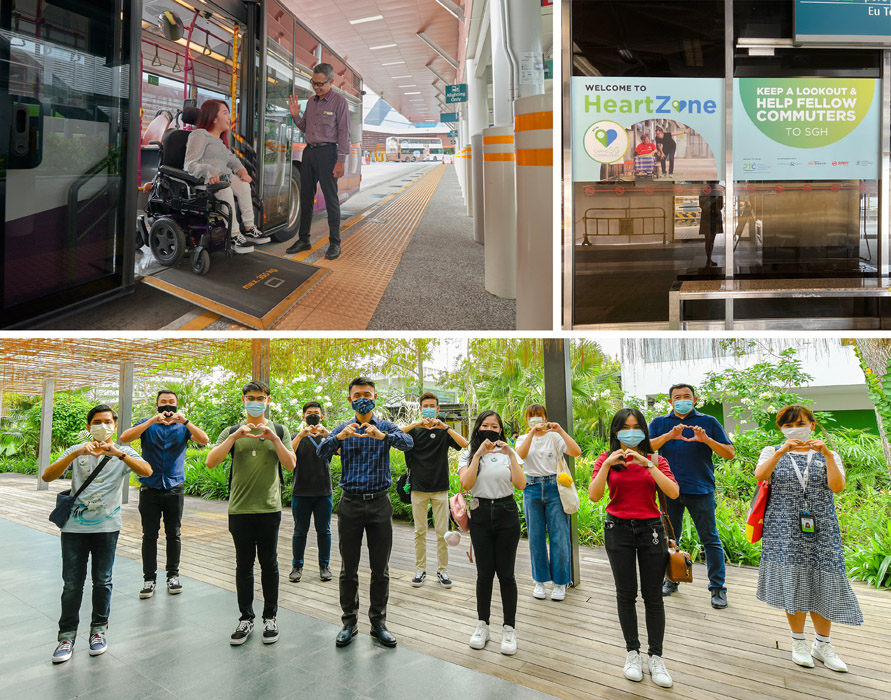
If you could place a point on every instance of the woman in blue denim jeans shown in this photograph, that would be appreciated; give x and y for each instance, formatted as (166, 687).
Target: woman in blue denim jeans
(542, 450)
(634, 535)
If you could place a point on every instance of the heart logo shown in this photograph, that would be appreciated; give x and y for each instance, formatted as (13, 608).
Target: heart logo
(679, 105)
(606, 136)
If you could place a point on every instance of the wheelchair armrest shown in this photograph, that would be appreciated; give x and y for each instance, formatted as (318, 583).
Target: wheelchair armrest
(180, 175)
(154, 143)
(216, 187)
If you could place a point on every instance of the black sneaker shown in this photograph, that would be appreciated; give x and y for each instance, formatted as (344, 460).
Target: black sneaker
(240, 635)
(669, 587)
(325, 573)
(419, 579)
(148, 589)
(242, 245)
(299, 247)
(296, 574)
(719, 599)
(256, 236)
(173, 585)
(270, 631)
(444, 579)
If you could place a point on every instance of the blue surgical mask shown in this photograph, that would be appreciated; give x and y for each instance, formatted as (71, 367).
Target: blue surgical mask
(363, 406)
(428, 412)
(255, 409)
(683, 406)
(632, 437)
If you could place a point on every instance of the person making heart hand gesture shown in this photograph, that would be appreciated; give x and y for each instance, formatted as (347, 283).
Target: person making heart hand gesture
(634, 535)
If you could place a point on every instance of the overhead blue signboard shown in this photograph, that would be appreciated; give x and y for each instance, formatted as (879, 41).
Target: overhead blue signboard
(447, 117)
(456, 94)
(843, 22)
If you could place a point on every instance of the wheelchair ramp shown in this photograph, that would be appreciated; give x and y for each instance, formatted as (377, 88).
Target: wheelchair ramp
(255, 289)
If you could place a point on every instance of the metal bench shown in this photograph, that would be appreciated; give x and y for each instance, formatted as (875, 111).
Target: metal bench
(813, 288)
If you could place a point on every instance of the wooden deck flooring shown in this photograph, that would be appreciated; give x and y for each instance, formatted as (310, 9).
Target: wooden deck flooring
(572, 649)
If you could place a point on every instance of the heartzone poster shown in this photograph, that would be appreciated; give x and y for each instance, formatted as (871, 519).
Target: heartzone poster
(806, 128)
(610, 116)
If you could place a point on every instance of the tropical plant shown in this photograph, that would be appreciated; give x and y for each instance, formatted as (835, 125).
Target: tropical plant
(870, 561)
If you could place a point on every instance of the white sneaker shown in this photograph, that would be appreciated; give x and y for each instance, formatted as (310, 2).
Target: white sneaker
(256, 236)
(657, 671)
(508, 640)
(480, 636)
(633, 666)
(242, 245)
(558, 592)
(539, 591)
(801, 654)
(825, 653)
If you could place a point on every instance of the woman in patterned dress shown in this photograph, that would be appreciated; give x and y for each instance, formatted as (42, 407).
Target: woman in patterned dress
(802, 562)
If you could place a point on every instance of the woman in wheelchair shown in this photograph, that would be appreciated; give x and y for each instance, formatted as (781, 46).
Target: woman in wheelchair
(208, 157)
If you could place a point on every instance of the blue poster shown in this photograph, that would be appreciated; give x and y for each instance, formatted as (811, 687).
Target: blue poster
(843, 22)
(653, 128)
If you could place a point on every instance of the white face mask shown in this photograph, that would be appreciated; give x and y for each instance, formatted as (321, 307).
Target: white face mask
(802, 433)
(535, 420)
(101, 431)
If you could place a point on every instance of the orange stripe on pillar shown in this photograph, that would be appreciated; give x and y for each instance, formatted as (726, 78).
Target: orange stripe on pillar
(535, 156)
(497, 139)
(499, 156)
(534, 121)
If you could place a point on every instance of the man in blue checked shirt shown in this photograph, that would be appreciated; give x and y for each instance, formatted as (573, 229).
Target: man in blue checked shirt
(163, 438)
(364, 443)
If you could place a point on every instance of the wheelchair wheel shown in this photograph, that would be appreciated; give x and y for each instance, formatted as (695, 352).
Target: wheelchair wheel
(167, 241)
(200, 261)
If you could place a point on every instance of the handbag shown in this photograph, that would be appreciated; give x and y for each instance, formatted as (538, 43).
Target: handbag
(403, 487)
(460, 511)
(569, 495)
(755, 516)
(65, 500)
(680, 567)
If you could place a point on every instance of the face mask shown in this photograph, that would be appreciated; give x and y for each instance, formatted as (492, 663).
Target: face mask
(313, 419)
(802, 433)
(101, 431)
(535, 420)
(363, 406)
(168, 409)
(683, 406)
(428, 412)
(255, 409)
(632, 437)
(492, 435)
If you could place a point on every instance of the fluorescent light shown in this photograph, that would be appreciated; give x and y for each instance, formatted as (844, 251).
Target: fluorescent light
(400, 77)
(392, 63)
(383, 46)
(412, 93)
(366, 19)
(407, 86)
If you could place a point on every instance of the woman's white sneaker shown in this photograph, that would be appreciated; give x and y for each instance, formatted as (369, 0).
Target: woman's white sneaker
(633, 666)
(508, 640)
(558, 592)
(538, 591)
(801, 654)
(657, 671)
(825, 653)
(480, 636)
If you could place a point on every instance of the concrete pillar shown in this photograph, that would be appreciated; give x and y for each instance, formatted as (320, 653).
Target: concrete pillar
(558, 399)
(125, 411)
(477, 120)
(500, 215)
(45, 441)
(517, 67)
(479, 206)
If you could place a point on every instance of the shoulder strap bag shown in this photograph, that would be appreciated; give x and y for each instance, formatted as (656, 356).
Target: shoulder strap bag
(680, 567)
(65, 500)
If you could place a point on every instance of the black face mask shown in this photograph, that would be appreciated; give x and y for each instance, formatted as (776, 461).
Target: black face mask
(492, 435)
(168, 409)
(313, 419)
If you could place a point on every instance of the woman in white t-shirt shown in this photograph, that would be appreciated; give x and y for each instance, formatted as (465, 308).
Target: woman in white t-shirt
(490, 468)
(802, 566)
(542, 450)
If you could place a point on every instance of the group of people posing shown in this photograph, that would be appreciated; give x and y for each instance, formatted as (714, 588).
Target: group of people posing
(802, 568)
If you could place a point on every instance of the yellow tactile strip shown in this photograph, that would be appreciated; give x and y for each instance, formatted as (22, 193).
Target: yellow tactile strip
(348, 296)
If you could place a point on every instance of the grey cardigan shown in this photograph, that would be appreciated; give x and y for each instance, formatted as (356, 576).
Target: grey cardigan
(207, 156)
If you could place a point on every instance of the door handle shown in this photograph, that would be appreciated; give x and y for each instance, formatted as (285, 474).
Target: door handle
(20, 131)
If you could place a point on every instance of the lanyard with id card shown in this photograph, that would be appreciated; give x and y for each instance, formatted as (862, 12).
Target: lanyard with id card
(806, 517)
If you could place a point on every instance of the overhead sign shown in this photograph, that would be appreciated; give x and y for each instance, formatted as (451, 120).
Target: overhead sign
(828, 22)
(806, 128)
(446, 117)
(611, 117)
(456, 94)
(453, 134)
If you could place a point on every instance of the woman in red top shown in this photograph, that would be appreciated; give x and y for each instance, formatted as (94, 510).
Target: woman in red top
(634, 535)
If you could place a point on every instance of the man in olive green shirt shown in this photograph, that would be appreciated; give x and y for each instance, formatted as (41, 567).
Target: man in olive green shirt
(259, 448)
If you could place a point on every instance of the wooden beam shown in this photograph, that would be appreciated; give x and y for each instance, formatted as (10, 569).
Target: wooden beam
(125, 410)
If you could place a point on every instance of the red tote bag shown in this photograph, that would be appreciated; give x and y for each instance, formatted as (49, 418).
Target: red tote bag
(755, 517)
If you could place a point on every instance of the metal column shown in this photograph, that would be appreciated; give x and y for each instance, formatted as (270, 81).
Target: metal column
(729, 209)
(125, 412)
(45, 441)
(558, 399)
(884, 251)
(515, 27)
(562, 122)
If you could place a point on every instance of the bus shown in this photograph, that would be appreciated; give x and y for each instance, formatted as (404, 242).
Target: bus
(404, 149)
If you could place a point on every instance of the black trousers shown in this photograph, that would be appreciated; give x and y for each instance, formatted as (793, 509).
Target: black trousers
(495, 534)
(155, 505)
(374, 519)
(318, 168)
(256, 534)
(632, 544)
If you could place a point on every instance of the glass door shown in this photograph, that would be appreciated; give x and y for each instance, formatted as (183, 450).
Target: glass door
(64, 99)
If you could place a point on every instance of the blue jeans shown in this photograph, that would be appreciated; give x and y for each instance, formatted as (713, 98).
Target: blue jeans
(543, 510)
(77, 547)
(702, 509)
(319, 508)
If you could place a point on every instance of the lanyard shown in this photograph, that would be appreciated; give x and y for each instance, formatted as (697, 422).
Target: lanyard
(802, 479)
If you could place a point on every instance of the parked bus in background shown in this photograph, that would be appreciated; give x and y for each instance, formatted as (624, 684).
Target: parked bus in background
(405, 150)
